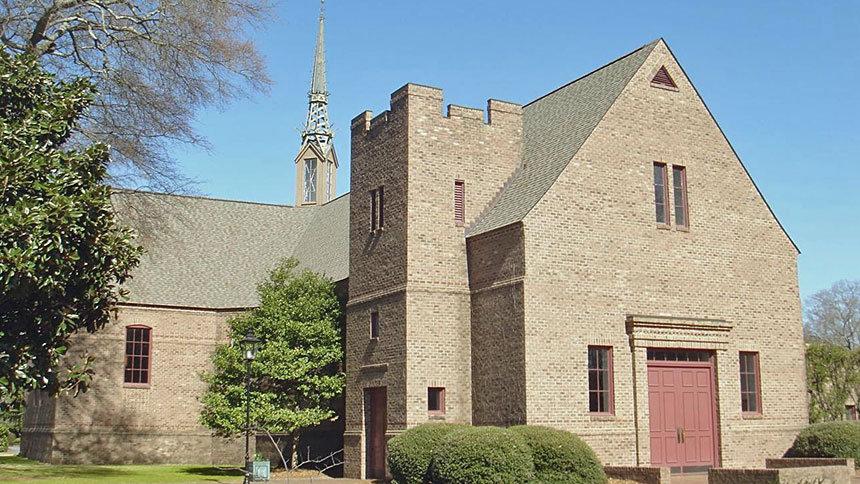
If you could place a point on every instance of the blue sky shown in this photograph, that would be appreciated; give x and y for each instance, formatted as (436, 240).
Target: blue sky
(780, 77)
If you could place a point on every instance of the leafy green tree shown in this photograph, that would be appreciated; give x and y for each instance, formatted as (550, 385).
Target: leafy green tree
(296, 373)
(833, 378)
(62, 254)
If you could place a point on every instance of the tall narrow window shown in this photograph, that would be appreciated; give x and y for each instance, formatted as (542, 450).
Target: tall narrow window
(381, 191)
(459, 202)
(373, 210)
(600, 391)
(661, 193)
(750, 383)
(851, 412)
(374, 324)
(137, 355)
(328, 193)
(310, 180)
(679, 189)
(436, 401)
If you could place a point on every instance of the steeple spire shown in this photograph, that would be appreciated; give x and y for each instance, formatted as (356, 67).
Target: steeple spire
(317, 129)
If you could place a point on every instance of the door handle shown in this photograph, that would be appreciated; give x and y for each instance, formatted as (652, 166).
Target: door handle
(683, 436)
(678, 434)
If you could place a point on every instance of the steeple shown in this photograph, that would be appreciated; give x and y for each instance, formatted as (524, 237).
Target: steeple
(317, 128)
(316, 163)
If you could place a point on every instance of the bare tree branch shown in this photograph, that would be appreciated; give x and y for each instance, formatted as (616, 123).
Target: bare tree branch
(155, 63)
(833, 315)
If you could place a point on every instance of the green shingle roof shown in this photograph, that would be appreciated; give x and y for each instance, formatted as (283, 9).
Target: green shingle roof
(555, 126)
(209, 253)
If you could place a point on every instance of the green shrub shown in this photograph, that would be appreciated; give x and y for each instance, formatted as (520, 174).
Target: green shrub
(409, 454)
(482, 455)
(561, 457)
(4, 438)
(829, 439)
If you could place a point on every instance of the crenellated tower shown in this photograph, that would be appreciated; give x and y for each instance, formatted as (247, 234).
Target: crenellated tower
(316, 163)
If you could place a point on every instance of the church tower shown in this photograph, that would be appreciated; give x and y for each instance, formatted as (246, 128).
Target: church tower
(316, 163)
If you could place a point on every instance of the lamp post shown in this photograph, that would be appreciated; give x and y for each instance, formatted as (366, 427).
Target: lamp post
(249, 351)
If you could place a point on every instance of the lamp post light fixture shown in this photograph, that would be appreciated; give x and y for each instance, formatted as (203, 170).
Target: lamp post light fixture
(249, 345)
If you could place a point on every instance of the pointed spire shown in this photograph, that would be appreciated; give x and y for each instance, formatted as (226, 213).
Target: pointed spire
(318, 80)
(317, 128)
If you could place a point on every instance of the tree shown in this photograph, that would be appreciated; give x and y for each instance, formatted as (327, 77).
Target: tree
(62, 254)
(153, 62)
(296, 373)
(833, 315)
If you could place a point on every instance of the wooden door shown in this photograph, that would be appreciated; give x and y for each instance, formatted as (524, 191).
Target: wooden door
(682, 415)
(376, 400)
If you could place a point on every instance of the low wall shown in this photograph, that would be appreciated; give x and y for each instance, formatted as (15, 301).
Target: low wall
(645, 475)
(809, 462)
(788, 475)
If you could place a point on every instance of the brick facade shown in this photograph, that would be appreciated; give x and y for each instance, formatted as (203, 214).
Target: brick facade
(503, 319)
(114, 423)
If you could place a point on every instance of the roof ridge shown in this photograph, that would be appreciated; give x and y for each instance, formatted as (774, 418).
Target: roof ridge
(604, 66)
(200, 197)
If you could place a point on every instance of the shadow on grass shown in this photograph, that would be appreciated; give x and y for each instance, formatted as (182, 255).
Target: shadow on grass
(211, 471)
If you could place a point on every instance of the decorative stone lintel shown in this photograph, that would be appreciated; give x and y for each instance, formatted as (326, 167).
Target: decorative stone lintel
(376, 367)
(675, 332)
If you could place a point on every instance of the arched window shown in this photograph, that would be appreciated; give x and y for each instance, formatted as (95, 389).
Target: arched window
(138, 355)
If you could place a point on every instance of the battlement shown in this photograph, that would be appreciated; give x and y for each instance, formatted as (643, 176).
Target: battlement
(428, 101)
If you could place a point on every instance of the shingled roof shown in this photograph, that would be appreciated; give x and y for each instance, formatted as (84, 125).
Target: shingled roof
(210, 253)
(555, 126)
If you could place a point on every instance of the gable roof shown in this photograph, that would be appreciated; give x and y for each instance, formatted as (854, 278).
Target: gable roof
(210, 253)
(555, 126)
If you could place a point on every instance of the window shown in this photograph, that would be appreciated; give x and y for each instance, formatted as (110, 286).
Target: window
(137, 355)
(661, 193)
(373, 210)
(374, 324)
(600, 380)
(679, 188)
(750, 383)
(436, 401)
(328, 193)
(851, 412)
(662, 78)
(381, 191)
(376, 208)
(310, 180)
(459, 202)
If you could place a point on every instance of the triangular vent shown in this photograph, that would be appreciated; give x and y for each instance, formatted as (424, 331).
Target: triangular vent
(662, 78)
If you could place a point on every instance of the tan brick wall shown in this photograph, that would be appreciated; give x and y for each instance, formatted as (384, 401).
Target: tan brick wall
(590, 267)
(496, 270)
(417, 264)
(117, 424)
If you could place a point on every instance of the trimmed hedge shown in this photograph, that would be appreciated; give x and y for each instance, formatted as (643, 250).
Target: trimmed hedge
(829, 439)
(4, 438)
(409, 453)
(561, 457)
(482, 455)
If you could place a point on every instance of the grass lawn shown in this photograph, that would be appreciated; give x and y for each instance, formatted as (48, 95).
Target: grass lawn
(18, 469)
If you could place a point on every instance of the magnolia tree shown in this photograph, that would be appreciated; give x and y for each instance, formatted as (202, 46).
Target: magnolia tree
(297, 370)
(62, 254)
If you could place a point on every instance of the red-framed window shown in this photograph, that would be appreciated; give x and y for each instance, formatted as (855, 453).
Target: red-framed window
(600, 384)
(138, 355)
(679, 189)
(750, 383)
(459, 202)
(661, 193)
(436, 401)
(374, 324)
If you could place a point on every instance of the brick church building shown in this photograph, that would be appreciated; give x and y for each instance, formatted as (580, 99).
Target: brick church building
(597, 260)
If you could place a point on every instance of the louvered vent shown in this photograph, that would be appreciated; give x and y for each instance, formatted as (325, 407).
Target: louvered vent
(662, 78)
(459, 202)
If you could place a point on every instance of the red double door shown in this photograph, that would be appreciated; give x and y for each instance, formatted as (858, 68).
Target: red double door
(682, 415)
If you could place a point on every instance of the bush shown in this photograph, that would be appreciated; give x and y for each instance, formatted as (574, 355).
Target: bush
(409, 454)
(4, 438)
(829, 439)
(482, 455)
(561, 457)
